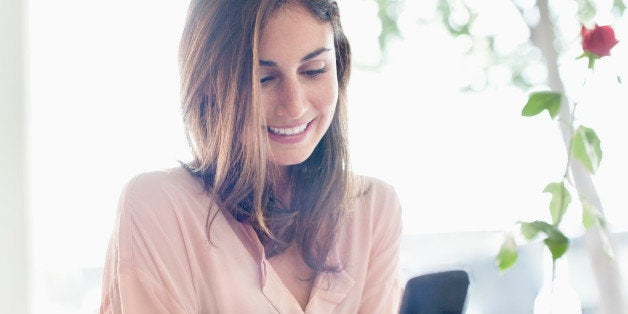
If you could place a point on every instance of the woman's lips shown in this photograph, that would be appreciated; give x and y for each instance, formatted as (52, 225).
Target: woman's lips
(289, 135)
(288, 131)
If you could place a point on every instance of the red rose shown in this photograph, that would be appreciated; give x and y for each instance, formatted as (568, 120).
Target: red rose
(598, 40)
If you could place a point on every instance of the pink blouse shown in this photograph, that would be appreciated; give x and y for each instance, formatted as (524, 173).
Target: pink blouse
(159, 259)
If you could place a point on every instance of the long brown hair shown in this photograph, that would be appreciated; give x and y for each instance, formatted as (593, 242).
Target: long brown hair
(224, 125)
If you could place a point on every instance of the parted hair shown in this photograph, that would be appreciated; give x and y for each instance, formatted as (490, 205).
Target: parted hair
(225, 127)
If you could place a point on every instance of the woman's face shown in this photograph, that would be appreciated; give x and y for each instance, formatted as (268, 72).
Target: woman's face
(299, 87)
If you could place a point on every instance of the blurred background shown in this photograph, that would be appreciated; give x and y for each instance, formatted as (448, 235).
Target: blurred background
(89, 96)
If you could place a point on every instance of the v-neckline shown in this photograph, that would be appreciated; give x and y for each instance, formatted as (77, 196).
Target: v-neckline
(328, 289)
(294, 273)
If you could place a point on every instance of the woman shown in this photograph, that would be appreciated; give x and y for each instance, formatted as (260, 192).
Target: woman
(267, 218)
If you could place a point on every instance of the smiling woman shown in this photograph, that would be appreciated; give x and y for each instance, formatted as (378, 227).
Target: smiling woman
(299, 91)
(268, 207)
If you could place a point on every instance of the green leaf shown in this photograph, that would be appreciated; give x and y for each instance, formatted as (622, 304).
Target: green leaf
(585, 147)
(560, 200)
(540, 101)
(593, 217)
(507, 255)
(531, 229)
(556, 242)
(590, 215)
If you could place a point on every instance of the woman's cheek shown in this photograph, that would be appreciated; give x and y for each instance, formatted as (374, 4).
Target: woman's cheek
(327, 97)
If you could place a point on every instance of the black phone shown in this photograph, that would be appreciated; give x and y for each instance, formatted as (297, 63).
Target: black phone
(442, 292)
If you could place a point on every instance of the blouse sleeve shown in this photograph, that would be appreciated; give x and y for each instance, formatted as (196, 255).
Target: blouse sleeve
(137, 259)
(130, 290)
(383, 287)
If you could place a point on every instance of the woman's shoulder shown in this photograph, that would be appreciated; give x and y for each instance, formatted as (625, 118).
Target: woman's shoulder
(160, 223)
(160, 206)
(376, 201)
(166, 180)
(162, 192)
(376, 213)
(162, 185)
(374, 189)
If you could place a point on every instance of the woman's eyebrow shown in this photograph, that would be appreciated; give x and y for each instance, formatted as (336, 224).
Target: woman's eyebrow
(314, 54)
(309, 56)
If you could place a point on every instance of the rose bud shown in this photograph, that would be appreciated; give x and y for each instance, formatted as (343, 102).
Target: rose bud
(598, 40)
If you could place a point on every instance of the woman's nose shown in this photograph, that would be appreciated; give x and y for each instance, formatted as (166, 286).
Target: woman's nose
(292, 101)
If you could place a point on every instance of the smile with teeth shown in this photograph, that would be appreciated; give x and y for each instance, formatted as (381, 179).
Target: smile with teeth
(288, 131)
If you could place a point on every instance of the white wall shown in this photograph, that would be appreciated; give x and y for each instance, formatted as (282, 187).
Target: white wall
(13, 241)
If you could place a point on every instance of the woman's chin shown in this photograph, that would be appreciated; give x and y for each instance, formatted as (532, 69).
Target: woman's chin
(290, 158)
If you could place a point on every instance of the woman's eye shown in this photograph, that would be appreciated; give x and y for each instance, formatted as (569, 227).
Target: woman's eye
(314, 73)
(266, 79)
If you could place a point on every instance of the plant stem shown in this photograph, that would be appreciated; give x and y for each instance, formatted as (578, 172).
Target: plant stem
(606, 270)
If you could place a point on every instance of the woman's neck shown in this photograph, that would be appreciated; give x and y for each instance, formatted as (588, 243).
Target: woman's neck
(282, 184)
